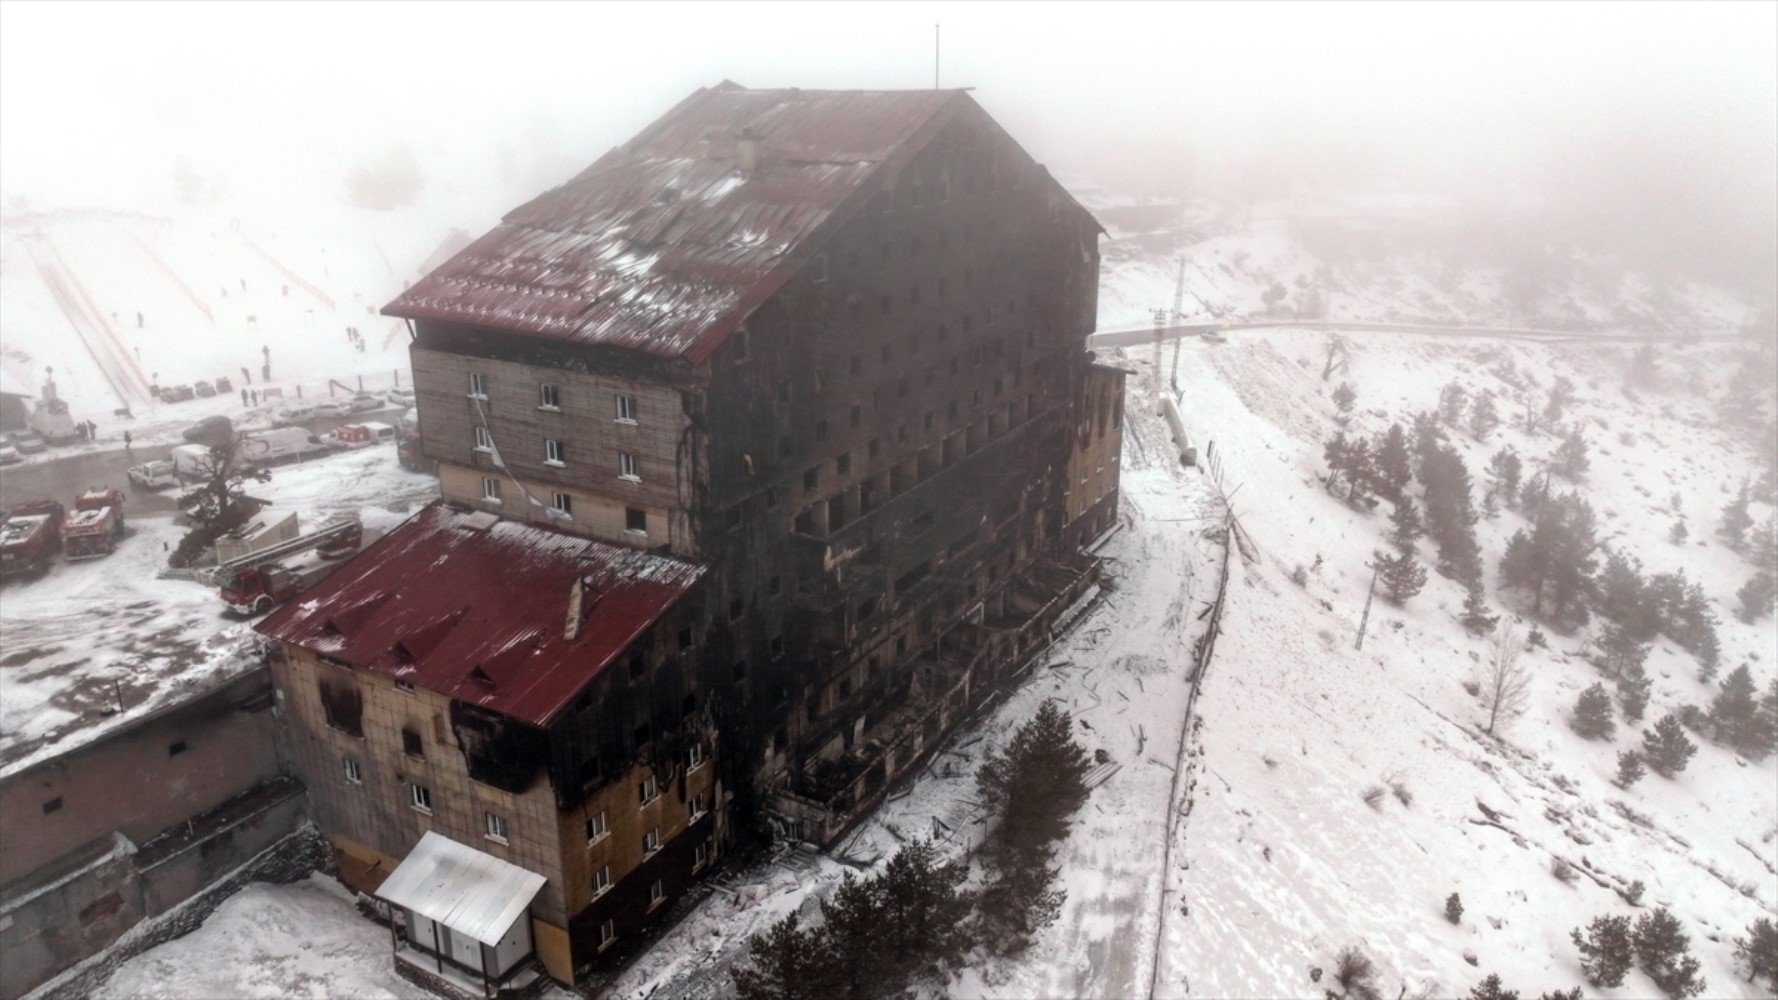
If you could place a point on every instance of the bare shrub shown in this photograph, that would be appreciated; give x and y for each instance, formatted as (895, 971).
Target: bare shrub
(1356, 974)
(1564, 872)
(1373, 797)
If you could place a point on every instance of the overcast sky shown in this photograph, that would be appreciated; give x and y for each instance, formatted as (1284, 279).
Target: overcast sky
(1667, 114)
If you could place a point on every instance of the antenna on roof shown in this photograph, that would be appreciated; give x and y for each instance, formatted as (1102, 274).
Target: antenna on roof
(935, 62)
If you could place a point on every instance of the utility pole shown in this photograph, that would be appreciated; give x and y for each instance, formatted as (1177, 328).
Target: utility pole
(1368, 597)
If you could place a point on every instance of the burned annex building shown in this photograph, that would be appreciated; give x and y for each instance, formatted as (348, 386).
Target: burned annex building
(768, 445)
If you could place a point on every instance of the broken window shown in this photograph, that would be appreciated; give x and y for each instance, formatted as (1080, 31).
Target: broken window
(342, 706)
(636, 520)
(410, 743)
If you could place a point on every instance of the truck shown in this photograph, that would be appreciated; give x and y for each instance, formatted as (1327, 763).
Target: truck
(410, 448)
(30, 537)
(93, 527)
(282, 444)
(193, 461)
(363, 435)
(253, 583)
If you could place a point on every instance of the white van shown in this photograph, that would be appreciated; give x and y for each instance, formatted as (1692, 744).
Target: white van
(284, 444)
(192, 461)
(154, 475)
(294, 414)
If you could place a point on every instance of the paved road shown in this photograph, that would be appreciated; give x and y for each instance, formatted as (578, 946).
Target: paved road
(1145, 335)
(64, 477)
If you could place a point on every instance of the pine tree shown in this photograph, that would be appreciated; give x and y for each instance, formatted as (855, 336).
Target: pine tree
(1663, 952)
(1337, 454)
(1454, 908)
(1561, 394)
(1452, 400)
(1758, 952)
(1680, 532)
(1475, 610)
(1607, 951)
(923, 904)
(1405, 518)
(1504, 470)
(1343, 398)
(1571, 461)
(1620, 589)
(1632, 692)
(1402, 576)
(1037, 782)
(1736, 520)
(1394, 464)
(1484, 417)
(1735, 712)
(852, 923)
(1666, 747)
(1592, 714)
(1622, 648)
(1757, 597)
(1491, 989)
(1630, 768)
(787, 963)
(1764, 550)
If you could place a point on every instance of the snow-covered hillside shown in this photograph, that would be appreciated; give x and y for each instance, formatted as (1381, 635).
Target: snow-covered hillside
(1284, 863)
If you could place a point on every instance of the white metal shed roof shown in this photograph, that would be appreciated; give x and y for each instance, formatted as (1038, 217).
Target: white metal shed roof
(474, 894)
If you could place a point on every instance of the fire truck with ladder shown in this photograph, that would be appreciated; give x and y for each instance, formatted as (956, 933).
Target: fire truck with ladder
(93, 527)
(252, 583)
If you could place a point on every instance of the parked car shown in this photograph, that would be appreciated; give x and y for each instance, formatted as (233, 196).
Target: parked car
(212, 431)
(333, 408)
(293, 415)
(204, 389)
(224, 385)
(154, 475)
(29, 442)
(177, 393)
(400, 397)
(285, 444)
(9, 454)
(365, 401)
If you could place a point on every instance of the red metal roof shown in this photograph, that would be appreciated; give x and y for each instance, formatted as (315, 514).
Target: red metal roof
(665, 244)
(479, 611)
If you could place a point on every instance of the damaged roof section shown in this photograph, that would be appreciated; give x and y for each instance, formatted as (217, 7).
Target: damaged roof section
(513, 618)
(669, 241)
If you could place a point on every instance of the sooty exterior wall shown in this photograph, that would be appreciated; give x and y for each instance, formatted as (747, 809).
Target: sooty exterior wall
(886, 443)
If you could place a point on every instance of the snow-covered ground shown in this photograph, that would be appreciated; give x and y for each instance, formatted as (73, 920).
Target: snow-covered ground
(163, 639)
(305, 939)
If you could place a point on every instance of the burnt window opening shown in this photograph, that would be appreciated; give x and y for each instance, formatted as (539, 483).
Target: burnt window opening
(53, 805)
(775, 586)
(805, 523)
(688, 706)
(740, 670)
(867, 609)
(786, 447)
(410, 743)
(857, 415)
(771, 497)
(874, 448)
(846, 688)
(740, 342)
(736, 608)
(639, 736)
(843, 464)
(811, 479)
(638, 667)
(685, 638)
(776, 646)
(175, 749)
(499, 751)
(636, 520)
(820, 430)
(342, 707)
(584, 702)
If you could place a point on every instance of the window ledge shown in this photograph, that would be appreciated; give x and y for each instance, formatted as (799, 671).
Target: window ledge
(606, 944)
(481, 450)
(596, 840)
(598, 893)
(630, 479)
(636, 531)
(555, 463)
(549, 409)
(502, 841)
(694, 817)
(422, 810)
(625, 420)
(656, 904)
(492, 500)
(477, 395)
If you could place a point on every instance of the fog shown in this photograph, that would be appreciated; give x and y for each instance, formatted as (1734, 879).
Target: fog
(1645, 130)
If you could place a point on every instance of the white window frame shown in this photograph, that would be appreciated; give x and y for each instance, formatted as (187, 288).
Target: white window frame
(607, 935)
(694, 757)
(695, 808)
(420, 798)
(478, 385)
(496, 827)
(563, 502)
(651, 842)
(405, 687)
(491, 490)
(626, 408)
(657, 893)
(648, 790)
(627, 468)
(601, 829)
(700, 856)
(601, 881)
(553, 451)
(484, 438)
(549, 397)
(354, 772)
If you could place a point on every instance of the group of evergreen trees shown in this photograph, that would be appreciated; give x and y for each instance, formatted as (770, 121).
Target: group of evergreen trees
(1656, 943)
(1758, 597)
(877, 933)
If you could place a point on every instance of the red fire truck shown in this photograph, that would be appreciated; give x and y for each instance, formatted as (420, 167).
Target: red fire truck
(30, 537)
(92, 528)
(255, 582)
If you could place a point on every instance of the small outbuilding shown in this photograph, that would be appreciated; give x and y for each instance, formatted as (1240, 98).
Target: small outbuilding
(466, 913)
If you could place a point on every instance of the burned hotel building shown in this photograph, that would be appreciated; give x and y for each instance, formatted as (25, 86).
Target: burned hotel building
(768, 446)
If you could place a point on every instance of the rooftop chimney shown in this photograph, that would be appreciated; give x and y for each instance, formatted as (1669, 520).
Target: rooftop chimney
(747, 151)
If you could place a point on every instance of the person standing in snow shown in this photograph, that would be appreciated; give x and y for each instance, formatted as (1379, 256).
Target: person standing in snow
(244, 397)
(126, 442)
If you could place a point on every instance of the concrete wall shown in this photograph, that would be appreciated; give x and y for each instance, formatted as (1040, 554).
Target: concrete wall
(140, 779)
